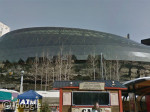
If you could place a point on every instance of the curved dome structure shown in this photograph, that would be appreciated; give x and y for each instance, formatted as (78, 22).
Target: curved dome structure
(29, 42)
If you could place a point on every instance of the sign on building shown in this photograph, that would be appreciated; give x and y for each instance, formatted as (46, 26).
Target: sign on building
(114, 99)
(67, 98)
(92, 86)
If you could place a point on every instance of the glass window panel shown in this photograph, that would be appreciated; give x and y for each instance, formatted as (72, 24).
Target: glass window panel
(89, 98)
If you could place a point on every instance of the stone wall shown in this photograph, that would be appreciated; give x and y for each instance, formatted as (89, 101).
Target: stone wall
(112, 70)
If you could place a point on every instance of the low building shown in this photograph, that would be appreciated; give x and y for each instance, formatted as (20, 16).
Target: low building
(51, 98)
(137, 97)
(80, 96)
(3, 29)
(8, 99)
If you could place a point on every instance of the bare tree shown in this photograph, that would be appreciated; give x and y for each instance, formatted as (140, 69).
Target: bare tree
(42, 69)
(117, 70)
(114, 68)
(46, 71)
(59, 63)
(34, 70)
(62, 68)
(53, 69)
(93, 63)
(66, 67)
(105, 69)
(70, 65)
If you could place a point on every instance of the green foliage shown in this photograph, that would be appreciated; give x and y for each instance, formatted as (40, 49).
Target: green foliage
(45, 108)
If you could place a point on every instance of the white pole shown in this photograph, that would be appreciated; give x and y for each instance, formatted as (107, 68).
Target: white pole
(102, 66)
(21, 86)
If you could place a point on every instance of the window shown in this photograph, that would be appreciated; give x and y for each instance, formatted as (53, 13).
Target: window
(89, 98)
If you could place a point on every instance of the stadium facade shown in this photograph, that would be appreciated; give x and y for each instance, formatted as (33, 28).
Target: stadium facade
(28, 42)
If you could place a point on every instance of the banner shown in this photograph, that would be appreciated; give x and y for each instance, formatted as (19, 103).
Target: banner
(114, 99)
(27, 101)
(67, 98)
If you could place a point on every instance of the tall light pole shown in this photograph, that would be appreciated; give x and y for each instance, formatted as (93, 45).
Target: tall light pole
(21, 85)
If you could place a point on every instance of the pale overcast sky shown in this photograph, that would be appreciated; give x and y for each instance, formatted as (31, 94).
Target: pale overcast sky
(118, 17)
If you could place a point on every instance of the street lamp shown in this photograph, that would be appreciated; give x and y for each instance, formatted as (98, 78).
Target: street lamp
(21, 85)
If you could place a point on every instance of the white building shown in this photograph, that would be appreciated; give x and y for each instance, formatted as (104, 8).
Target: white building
(51, 97)
(3, 29)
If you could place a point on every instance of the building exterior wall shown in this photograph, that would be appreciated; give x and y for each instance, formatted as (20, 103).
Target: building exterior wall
(3, 29)
(113, 108)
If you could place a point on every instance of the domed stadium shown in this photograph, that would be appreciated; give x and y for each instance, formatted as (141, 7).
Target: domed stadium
(94, 55)
(28, 42)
